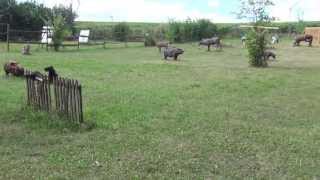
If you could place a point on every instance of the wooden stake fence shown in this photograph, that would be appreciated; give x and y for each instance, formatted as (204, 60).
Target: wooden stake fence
(67, 99)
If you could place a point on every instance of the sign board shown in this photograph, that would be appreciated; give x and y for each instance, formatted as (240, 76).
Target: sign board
(84, 36)
(46, 34)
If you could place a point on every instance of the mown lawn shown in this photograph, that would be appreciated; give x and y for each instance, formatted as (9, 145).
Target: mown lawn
(208, 116)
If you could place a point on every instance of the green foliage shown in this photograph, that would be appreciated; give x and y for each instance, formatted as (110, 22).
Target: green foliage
(206, 29)
(256, 44)
(300, 27)
(149, 39)
(191, 30)
(68, 14)
(25, 15)
(31, 15)
(174, 33)
(255, 10)
(121, 31)
(59, 31)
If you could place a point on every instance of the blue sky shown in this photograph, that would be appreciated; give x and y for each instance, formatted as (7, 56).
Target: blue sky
(162, 10)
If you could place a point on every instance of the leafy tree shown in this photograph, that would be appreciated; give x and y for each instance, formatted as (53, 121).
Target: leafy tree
(256, 44)
(121, 31)
(31, 15)
(191, 30)
(175, 31)
(257, 12)
(59, 31)
(68, 14)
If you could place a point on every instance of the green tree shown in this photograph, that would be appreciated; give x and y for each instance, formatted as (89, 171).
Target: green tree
(121, 32)
(68, 14)
(257, 12)
(59, 31)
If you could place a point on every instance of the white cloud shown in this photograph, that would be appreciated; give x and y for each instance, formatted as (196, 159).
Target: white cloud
(213, 3)
(159, 11)
(309, 8)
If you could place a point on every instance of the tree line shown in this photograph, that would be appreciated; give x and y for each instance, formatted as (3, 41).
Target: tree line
(31, 16)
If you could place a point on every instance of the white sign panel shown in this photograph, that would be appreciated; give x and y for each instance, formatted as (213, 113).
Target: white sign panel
(47, 33)
(84, 36)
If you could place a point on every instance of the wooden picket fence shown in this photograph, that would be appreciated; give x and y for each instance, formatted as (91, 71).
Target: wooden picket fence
(66, 99)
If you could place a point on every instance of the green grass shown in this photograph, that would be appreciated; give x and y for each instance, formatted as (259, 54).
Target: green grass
(208, 116)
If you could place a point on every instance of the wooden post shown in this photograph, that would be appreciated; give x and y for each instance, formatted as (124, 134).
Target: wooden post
(80, 105)
(8, 37)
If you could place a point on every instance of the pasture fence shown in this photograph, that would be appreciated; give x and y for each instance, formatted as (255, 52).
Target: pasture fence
(66, 99)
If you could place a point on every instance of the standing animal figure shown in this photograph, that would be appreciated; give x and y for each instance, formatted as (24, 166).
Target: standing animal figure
(161, 45)
(307, 38)
(13, 68)
(36, 75)
(172, 52)
(52, 74)
(268, 54)
(212, 41)
(26, 49)
(243, 40)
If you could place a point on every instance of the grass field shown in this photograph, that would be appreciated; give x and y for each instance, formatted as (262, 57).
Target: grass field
(208, 116)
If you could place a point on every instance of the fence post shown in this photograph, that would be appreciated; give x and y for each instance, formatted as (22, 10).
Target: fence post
(8, 37)
(81, 111)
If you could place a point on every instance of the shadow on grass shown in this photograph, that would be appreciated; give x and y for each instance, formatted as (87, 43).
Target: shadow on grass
(43, 121)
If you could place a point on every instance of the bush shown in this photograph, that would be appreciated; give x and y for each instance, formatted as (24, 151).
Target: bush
(191, 30)
(59, 31)
(121, 32)
(256, 43)
(149, 39)
(174, 33)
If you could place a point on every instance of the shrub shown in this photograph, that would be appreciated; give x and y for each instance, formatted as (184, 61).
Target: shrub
(174, 33)
(59, 31)
(256, 43)
(206, 29)
(149, 39)
(191, 30)
(121, 32)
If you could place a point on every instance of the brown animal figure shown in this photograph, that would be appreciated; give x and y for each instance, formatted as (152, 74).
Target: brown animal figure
(161, 45)
(307, 38)
(52, 74)
(211, 42)
(13, 68)
(172, 52)
(268, 54)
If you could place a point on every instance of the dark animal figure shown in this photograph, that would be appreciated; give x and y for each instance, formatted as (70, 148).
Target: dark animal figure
(172, 52)
(13, 68)
(36, 75)
(211, 42)
(268, 54)
(52, 74)
(161, 45)
(26, 49)
(307, 38)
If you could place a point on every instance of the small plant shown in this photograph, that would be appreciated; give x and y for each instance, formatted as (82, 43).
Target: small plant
(257, 12)
(256, 44)
(59, 31)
